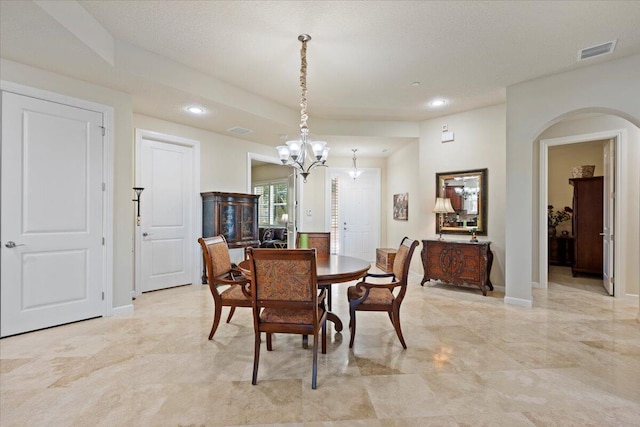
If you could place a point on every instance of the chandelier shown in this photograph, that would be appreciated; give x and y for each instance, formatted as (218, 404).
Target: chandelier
(302, 154)
(466, 192)
(355, 172)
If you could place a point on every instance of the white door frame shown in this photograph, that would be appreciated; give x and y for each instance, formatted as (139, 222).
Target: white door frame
(107, 175)
(620, 140)
(295, 219)
(261, 158)
(196, 217)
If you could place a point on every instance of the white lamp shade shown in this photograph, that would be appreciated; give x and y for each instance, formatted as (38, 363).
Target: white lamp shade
(325, 154)
(294, 148)
(283, 152)
(443, 205)
(354, 173)
(318, 148)
(285, 218)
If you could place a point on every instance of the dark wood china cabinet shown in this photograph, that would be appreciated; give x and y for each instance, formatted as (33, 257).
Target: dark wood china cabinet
(234, 215)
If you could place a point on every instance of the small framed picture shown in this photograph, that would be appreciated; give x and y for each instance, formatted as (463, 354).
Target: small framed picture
(401, 206)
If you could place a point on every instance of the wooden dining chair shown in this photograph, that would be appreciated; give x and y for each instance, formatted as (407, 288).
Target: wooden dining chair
(318, 240)
(321, 242)
(285, 299)
(221, 273)
(366, 296)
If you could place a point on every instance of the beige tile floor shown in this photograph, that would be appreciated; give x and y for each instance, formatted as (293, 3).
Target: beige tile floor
(571, 360)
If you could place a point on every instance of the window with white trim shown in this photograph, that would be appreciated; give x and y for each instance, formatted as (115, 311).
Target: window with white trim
(272, 203)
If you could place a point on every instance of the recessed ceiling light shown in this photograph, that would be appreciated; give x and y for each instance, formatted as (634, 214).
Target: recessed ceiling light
(194, 109)
(438, 102)
(415, 84)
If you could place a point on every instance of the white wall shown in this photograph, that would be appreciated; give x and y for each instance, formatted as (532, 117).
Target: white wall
(609, 87)
(403, 174)
(265, 173)
(223, 161)
(479, 143)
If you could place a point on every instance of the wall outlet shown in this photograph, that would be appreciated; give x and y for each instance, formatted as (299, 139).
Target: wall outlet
(445, 128)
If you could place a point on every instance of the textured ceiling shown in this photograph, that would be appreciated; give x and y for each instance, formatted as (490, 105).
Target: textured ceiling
(240, 59)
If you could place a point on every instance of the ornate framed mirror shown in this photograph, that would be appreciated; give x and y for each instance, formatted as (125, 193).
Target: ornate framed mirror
(467, 191)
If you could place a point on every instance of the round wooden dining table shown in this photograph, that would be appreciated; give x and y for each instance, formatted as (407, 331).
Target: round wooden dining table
(330, 269)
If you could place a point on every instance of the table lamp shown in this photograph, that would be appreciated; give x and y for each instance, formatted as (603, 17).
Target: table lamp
(442, 207)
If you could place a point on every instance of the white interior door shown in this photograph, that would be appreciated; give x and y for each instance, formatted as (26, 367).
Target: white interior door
(52, 264)
(166, 211)
(359, 220)
(608, 215)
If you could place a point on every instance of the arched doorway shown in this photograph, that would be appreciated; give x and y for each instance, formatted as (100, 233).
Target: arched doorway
(578, 127)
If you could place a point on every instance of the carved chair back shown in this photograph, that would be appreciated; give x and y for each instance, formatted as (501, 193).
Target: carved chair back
(318, 240)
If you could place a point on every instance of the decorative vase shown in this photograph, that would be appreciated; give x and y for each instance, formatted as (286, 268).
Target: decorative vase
(552, 231)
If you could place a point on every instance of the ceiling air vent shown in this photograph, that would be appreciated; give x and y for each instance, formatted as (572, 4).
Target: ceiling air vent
(601, 49)
(239, 131)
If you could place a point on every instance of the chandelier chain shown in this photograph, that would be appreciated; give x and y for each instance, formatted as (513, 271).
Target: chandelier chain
(303, 89)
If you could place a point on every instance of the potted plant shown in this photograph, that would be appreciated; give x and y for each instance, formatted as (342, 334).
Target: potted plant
(556, 217)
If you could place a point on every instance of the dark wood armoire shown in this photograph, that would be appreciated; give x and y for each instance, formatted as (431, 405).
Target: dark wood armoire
(234, 215)
(587, 225)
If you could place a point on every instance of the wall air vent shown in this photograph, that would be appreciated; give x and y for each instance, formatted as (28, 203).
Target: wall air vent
(593, 51)
(239, 131)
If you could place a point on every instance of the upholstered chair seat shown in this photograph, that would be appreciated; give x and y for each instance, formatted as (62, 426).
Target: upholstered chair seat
(382, 297)
(233, 293)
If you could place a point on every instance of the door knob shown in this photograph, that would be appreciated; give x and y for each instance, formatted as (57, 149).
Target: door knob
(145, 234)
(12, 245)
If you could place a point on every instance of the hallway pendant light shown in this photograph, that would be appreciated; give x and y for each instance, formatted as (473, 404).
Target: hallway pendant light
(354, 172)
(302, 154)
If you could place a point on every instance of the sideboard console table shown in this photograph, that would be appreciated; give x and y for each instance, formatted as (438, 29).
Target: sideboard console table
(457, 262)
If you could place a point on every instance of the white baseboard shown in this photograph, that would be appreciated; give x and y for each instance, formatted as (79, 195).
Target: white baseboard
(123, 309)
(518, 301)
